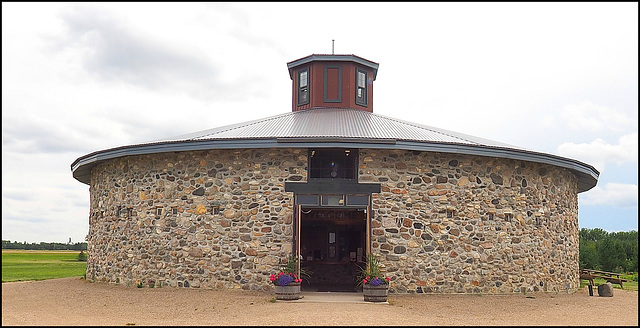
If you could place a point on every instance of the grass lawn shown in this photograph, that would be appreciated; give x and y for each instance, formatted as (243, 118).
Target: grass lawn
(21, 265)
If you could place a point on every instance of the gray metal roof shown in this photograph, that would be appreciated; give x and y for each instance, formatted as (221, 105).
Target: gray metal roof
(335, 127)
(335, 123)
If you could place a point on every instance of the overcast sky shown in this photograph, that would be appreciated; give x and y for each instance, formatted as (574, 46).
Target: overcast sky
(558, 78)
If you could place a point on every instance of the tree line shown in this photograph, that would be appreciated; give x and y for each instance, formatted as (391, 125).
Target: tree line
(7, 244)
(608, 251)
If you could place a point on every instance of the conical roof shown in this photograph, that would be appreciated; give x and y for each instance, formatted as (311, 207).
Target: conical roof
(335, 127)
(335, 123)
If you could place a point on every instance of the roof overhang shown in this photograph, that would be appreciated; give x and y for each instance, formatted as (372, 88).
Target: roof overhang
(587, 174)
(333, 58)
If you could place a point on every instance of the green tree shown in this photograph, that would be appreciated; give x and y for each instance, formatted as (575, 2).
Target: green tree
(592, 234)
(608, 251)
(588, 255)
(611, 254)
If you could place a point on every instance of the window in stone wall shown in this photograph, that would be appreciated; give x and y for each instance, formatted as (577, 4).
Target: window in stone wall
(490, 216)
(332, 163)
(125, 212)
(332, 200)
(158, 211)
(508, 217)
(308, 200)
(357, 200)
(174, 211)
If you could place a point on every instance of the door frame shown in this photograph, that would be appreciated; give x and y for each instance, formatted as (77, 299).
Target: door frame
(298, 229)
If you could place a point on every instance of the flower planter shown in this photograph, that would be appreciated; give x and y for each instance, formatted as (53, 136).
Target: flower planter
(375, 293)
(288, 292)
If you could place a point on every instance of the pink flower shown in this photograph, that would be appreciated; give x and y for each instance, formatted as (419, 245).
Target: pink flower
(388, 279)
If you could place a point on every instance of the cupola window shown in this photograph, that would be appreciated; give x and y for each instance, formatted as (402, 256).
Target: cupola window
(361, 88)
(303, 87)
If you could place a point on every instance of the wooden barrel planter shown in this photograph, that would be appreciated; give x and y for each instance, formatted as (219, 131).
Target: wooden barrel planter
(375, 293)
(288, 292)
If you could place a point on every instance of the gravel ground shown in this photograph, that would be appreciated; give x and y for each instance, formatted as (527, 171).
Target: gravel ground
(77, 302)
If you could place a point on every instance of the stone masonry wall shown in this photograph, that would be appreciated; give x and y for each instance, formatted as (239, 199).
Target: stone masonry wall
(205, 219)
(443, 223)
(447, 223)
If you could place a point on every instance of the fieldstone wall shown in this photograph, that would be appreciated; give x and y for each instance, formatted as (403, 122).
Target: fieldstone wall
(443, 223)
(447, 223)
(205, 219)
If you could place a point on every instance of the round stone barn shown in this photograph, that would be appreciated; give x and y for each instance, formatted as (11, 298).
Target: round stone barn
(331, 182)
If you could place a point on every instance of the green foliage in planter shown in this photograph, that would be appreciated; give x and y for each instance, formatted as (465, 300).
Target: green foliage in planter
(371, 270)
(292, 267)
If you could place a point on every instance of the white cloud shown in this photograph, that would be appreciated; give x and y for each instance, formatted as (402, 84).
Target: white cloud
(594, 118)
(612, 194)
(115, 54)
(599, 152)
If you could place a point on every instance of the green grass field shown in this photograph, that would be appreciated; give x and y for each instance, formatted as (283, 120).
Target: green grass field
(22, 265)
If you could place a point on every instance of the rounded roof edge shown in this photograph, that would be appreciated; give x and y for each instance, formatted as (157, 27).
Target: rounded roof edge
(587, 174)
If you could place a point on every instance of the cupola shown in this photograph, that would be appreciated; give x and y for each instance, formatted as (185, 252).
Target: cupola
(340, 81)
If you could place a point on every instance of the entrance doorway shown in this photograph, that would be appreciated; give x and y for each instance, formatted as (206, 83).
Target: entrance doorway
(332, 247)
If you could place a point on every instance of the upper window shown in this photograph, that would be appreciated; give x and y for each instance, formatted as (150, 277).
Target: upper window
(303, 87)
(333, 163)
(361, 87)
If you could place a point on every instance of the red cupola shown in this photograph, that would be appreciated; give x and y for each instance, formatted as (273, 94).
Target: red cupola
(341, 81)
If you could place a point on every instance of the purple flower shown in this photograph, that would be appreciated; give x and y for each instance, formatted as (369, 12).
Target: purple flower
(376, 281)
(284, 280)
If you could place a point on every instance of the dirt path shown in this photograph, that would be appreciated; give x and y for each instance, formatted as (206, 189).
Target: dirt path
(74, 301)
